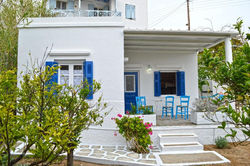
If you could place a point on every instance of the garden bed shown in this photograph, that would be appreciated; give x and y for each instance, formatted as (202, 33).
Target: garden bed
(239, 156)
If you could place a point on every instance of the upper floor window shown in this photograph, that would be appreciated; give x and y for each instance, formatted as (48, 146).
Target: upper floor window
(130, 12)
(61, 5)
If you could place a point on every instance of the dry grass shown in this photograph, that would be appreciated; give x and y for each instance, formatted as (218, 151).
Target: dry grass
(239, 156)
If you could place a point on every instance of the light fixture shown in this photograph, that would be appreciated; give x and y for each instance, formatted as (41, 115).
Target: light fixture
(149, 69)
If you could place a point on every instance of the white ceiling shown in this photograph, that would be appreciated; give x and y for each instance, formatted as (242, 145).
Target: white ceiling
(174, 41)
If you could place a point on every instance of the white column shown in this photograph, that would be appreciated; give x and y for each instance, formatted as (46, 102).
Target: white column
(79, 4)
(228, 50)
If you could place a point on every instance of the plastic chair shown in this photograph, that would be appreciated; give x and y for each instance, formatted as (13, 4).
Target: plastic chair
(169, 106)
(141, 103)
(182, 109)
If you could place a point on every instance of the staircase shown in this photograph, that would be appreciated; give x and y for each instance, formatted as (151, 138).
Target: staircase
(179, 142)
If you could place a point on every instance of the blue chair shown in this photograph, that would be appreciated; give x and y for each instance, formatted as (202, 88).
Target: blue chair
(141, 103)
(169, 106)
(182, 109)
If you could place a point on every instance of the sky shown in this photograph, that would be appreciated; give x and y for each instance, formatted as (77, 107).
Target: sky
(215, 15)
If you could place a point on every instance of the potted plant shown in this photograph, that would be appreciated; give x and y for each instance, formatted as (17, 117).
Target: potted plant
(147, 115)
(205, 111)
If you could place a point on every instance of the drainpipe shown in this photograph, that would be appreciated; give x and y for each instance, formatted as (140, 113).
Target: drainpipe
(228, 50)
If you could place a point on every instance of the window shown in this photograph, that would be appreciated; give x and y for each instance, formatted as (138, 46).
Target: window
(61, 5)
(168, 83)
(130, 83)
(130, 12)
(71, 74)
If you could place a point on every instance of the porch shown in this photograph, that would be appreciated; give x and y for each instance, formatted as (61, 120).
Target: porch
(84, 8)
(153, 60)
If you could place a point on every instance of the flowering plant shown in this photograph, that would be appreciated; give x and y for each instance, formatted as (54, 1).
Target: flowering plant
(136, 132)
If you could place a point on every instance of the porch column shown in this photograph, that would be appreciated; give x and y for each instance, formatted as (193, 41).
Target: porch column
(112, 5)
(228, 50)
(79, 4)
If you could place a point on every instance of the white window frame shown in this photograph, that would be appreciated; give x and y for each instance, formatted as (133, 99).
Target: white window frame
(71, 72)
(126, 84)
(131, 14)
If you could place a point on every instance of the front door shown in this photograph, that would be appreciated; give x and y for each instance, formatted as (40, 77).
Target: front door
(131, 89)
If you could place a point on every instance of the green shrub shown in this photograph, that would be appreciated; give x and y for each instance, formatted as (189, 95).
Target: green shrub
(146, 110)
(136, 133)
(221, 142)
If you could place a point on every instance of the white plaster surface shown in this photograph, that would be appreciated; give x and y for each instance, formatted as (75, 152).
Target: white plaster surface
(104, 42)
(164, 62)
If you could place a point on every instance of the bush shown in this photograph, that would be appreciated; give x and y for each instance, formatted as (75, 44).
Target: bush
(221, 142)
(136, 133)
(146, 110)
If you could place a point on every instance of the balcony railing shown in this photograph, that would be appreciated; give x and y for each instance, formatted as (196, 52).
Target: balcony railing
(86, 13)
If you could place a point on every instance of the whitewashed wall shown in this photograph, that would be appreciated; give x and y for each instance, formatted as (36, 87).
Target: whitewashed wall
(139, 61)
(104, 40)
(141, 13)
(141, 10)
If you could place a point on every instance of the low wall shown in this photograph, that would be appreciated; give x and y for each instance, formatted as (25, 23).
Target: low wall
(105, 136)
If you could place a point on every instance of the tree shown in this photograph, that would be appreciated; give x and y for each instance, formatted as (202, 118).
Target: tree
(30, 115)
(46, 117)
(234, 78)
(79, 112)
(12, 13)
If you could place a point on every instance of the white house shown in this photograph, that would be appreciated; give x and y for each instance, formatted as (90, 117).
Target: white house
(108, 41)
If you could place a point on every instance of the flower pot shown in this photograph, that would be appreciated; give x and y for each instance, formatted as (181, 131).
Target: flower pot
(201, 118)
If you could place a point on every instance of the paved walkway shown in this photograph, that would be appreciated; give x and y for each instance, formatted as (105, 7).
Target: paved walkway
(117, 154)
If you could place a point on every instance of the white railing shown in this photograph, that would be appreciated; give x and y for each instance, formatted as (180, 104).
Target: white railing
(86, 13)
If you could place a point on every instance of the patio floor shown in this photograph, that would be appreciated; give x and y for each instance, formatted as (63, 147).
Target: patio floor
(167, 121)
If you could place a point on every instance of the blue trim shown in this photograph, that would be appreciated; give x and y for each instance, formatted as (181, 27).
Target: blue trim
(54, 77)
(88, 75)
(180, 83)
(129, 97)
(157, 83)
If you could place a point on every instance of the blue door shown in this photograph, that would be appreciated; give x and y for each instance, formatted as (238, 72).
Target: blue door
(131, 89)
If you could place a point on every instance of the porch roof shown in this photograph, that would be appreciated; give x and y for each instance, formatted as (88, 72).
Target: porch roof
(173, 41)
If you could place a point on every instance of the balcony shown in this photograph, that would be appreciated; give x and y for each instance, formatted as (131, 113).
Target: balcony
(84, 8)
(85, 13)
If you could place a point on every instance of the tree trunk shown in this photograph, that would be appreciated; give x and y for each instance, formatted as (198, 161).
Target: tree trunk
(70, 157)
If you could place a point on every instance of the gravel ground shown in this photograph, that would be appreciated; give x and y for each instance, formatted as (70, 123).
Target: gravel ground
(239, 156)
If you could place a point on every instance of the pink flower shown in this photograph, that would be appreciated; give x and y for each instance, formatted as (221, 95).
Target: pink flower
(150, 133)
(147, 127)
(115, 134)
(141, 121)
(150, 147)
(119, 115)
(139, 117)
(127, 112)
(112, 118)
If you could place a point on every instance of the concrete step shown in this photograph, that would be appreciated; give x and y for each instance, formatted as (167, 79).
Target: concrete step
(187, 146)
(177, 138)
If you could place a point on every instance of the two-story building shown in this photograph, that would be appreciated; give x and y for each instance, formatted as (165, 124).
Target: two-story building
(108, 41)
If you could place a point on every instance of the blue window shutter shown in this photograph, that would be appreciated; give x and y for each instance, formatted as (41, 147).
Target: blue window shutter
(52, 4)
(70, 5)
(180, 83)
(54, 78)
(88, 75)
(157, 83)
(132, 12)
(127, 11)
